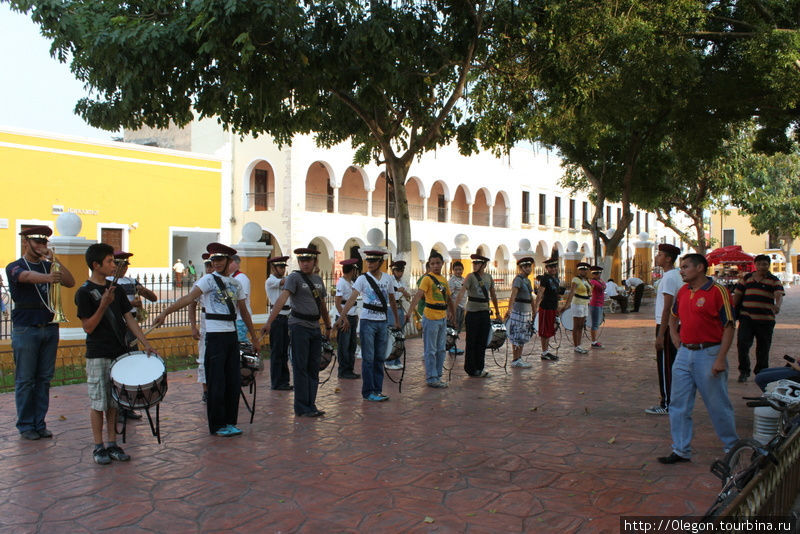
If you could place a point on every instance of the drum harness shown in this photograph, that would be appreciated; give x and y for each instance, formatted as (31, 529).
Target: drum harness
(318, 300)
(384, 308)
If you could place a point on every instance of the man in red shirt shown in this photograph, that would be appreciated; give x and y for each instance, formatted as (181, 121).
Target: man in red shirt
(703, 309)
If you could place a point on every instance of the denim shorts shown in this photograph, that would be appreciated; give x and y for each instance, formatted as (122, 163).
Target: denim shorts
(98, 380)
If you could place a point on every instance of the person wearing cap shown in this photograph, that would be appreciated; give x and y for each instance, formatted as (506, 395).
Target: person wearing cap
(400, 292)
(703, 310)
(279, 331)
(307, 292)
(348, 340)
(547, 297)
(596, 303)
(438, 307)
(244, 281)
(377, 292)
(666, 350)
(580, 292)
(34, 337)
(519, 317)
(758, 296)
(479, 288)
(105, 315)
(221, 296)
(200, 333)
(133, 290)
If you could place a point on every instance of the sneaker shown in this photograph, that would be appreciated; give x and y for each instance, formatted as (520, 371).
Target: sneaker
(597, 345)
(375, 398)
(482, 374)
(30, 434)
(233, 430)
(549, 356)
(459, 351)
(223, 432)
(384, 397)
(44, 433)
(521, 364)
(581, 350)
(673, 459)
(438, 384)
(101, 456)
(394, 365)
(115, 452)
(657, 410)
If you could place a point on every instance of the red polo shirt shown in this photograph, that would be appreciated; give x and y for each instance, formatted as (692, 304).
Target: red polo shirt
(703, 313)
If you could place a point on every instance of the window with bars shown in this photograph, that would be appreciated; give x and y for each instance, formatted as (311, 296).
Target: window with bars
(526, 207)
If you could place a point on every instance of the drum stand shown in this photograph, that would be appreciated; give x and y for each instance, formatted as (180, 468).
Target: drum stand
(251, 406)
(154, 427)
(399, 382)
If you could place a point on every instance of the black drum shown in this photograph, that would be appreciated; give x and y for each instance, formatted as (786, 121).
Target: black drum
(251, 363)
(395, 345)
(497, 336)
(327, 354)
(452, 337)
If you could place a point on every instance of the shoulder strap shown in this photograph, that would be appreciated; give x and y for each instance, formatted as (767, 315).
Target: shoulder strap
(483, 288)
(441, 287)
(313, 289)
(377, 291)
(228, 301)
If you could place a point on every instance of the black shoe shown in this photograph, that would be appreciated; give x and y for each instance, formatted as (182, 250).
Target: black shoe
(130, 414)
(30, 434)
(44, 433)
(205, 397)
(115, 452)
(742, 378)
(101, 456)
(350, 376)
(313, 413)
(673, 459)
(283, 387)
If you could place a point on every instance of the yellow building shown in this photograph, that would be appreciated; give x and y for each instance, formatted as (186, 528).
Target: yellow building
(160, 204)
(733, 228)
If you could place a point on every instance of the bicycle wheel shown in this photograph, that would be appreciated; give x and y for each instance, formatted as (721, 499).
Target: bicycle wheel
(742, 462)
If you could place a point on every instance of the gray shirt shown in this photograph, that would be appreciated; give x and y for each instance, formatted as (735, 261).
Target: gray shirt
(302, 299)
(474, 291)
(524, 290)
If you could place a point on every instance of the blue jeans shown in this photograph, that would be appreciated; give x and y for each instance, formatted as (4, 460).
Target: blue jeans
(434, 337)
(596, 316)
(34, 364)
(690, 373)
(374, 336)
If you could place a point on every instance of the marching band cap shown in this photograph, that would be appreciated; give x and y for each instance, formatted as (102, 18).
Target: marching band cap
(399, 265)
(122, 255)
(374, 255)
(527, 260)
(278, 261)
(596, 269)
(551, 261)
(218, 250)
(350, 261)
(205, 256)
(306, 253)
(37, 232)
(672, 249)
(478, 258)
(583, 265)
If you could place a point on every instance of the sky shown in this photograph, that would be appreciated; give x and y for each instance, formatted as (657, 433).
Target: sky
(36, 91)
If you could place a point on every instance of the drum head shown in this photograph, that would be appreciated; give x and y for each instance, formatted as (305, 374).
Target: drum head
(535, 323)
(137, 369)
(566, 318)
(395, 343)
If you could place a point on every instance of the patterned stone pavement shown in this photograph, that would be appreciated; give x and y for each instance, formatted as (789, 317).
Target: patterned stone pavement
(560, 447)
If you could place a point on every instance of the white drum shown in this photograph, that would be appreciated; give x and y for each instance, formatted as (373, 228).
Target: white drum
(395, 344)
(536, 323)
(497, 336)
(138, 380)
(566, 318)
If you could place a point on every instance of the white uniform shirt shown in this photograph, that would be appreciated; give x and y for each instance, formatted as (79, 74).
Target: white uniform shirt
(213, 300)
(611, 290)
(368, 296)
(274, 290)
(670, 283)
(344, 289)
(244, 281)
(634, 282)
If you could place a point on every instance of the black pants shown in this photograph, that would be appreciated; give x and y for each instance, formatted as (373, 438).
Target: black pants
(622, 301)
(346, 351)
(477, 325)
(761, 331)
(638, 292)
(664, 360)
(279, 351)
(223, 378)
(306, 352)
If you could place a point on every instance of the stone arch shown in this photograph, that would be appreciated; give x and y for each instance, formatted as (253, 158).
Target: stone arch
(353, 191)
(325, 257)
(459, 207)
(259, 186)
(441, 249)
(480, 207)
(588, 255)
(438, 198)
(379, 198)
(271, 238)
(500, 214)
(416, 259)
(416, 204)
(319, 187)
(502, 256)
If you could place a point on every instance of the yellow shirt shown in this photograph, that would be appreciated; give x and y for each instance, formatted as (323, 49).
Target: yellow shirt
(437, 296)
(583, 289)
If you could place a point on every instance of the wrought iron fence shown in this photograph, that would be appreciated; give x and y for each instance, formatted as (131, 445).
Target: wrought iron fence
(355, 206)
(322, 203)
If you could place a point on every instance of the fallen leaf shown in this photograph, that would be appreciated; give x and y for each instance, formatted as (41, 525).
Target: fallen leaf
(337, 390)
(492, 511)
(62, 418)
(586, 411)
(471, 514)
(428, 519)
(281, 500)
(580, 393)
(612, 440)
(534, 408)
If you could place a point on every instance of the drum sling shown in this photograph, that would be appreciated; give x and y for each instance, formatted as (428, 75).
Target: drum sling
(383, 308)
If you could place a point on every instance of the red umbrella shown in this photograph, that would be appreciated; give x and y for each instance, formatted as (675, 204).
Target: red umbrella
(731, 255)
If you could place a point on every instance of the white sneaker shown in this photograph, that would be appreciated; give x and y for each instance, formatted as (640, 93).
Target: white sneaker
(521, 364)
(581, 350)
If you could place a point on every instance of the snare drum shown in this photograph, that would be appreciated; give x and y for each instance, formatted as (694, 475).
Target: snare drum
(251, 363)
(327, 354)
(452, 337)
(138, 380)
(566, 318)
(497, 336)
(395, 344)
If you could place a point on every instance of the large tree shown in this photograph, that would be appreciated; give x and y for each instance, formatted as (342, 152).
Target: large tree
(385, 76)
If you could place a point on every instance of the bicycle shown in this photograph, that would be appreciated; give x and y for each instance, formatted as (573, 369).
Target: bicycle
(747, 456)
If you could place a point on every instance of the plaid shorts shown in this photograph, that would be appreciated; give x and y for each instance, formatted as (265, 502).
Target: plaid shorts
(98, 380)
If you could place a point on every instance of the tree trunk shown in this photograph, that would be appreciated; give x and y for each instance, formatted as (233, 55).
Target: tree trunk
(396, 174)
(786, 249)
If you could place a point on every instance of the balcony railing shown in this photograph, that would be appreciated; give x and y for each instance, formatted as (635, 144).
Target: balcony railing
(542, 219)
(415, 212)
(261, 201)
(500, 220)
(323, 203)
(480, 218)
(355, 206)
(379, 209)
(460, 216)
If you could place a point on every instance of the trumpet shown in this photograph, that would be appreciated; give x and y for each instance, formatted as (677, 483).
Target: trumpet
(55, 302)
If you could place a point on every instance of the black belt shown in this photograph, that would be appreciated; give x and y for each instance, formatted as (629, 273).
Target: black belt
(286, 307)
(582, 297)
(477, 299)
(28, 306)
(699, 346)
(374, 307)
(305, 317)
(523, 301)
(436, 306)
(40, 325)
(221, 316)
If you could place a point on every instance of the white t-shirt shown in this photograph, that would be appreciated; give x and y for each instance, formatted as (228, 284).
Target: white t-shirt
(245, 283)
(634, 282)
(344, 288)
(670, 283)
(213, 300)
(368, 295)
(398, 284)
(611, 290)
(179, 267)
(274, 290)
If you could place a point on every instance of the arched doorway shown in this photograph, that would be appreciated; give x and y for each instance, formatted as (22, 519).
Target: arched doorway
(319, 187)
